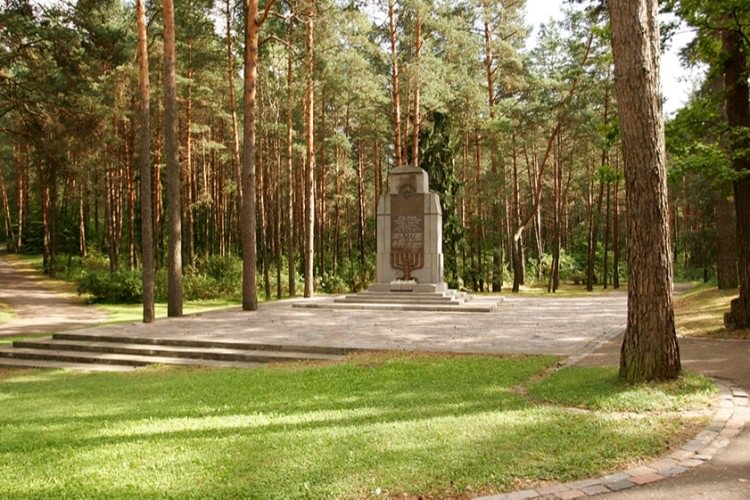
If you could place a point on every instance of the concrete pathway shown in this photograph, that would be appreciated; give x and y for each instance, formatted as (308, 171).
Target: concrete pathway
(38, 309)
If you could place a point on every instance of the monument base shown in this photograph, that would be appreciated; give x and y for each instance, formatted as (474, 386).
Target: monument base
(408, 296)
(408, 286)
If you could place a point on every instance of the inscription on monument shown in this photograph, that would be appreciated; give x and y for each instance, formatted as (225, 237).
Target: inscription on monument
(407, 231)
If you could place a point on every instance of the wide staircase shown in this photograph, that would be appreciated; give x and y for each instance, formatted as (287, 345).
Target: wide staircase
(121, 353)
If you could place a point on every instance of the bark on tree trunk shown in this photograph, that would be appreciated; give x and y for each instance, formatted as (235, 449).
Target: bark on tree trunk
(9, 236)
(21, 200)
(417, 90)
(82, 244)
(649, 350)
(726, 244)
(738, 119)
(174, 257)
(236, 162)
(310, 155)
(144, 160)
(616, 229)
(395, 97)
(361, 205)
(247, 216)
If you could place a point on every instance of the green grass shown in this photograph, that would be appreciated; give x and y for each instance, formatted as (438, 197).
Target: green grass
(566, 290)
(699, 312)
(6, 313)
(134, 312)
(379, 423)
(602, 389)
(10, 340)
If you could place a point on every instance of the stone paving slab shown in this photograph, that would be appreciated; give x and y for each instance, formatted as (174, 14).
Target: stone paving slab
(520, 325)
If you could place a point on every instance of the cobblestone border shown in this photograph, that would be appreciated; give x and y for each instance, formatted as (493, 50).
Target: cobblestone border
(728, 421)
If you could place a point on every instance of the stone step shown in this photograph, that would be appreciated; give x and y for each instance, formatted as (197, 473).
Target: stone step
(401, 300)
(456, 308)
(204, 344)
(57, 365)
(202, 353)
(114, 359)
(448, 293)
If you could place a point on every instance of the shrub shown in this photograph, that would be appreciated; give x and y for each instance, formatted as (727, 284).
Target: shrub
(120, 287)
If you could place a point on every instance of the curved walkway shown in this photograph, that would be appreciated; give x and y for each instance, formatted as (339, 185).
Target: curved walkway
(37, 309)
(726, 475)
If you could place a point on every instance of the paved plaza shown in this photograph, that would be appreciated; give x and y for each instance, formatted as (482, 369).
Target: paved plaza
(546, 325)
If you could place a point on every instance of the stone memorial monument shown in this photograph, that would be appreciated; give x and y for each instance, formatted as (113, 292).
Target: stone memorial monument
(409, 265)
(410, 237)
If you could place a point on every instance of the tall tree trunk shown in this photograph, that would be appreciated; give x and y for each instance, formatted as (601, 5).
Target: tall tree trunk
(591, 229)
(261, 207)
(726, 244)
(616, 229)
(517, 253)
(395, 97)
(236, 163)
(21, 199)
(174, 257)
(417, 87)
(144, 160)
(649, 350)
(45, 228)
(738, 118)
(82, 244)
(9, 236)
(605, 265)
(554, 275)
(130, 188)
(290, 219)
(310, 155)
(187, 174)
(247, 216)
(361, 204)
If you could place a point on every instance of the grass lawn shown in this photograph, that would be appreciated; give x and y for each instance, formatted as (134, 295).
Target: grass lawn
(10, 340)
(699, 312)
(6, 313)
(134, 312)
(388, 424)
(565, 290)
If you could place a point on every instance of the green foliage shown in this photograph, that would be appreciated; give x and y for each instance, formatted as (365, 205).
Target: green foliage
(332, 283)
(213, 278)
(122, 286)
(570, 268)
(391, 424)
(438, 147)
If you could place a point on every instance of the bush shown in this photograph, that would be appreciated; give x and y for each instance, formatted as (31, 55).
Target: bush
(199, 286)
(120, 287)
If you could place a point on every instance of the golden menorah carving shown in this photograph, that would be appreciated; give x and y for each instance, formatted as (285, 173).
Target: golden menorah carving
(407, 261)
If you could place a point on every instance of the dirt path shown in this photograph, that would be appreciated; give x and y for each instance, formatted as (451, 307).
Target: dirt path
(38, 309)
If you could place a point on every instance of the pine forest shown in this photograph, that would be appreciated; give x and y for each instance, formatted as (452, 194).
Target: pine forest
(202, 134)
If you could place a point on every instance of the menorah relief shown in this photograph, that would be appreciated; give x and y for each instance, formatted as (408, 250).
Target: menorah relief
(407, 262)
(407, 244)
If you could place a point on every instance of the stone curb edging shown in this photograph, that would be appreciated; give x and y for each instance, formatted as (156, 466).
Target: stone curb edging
(728, 421)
